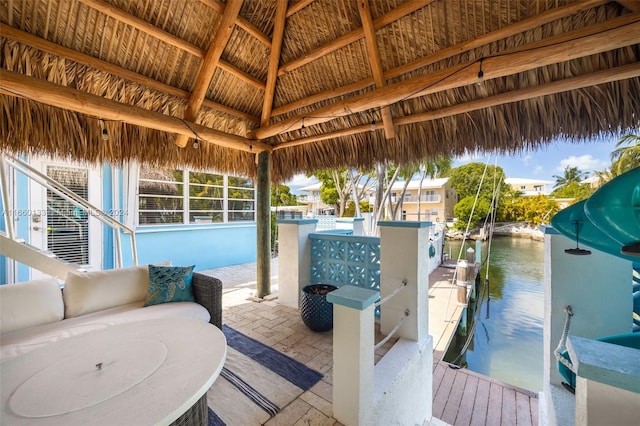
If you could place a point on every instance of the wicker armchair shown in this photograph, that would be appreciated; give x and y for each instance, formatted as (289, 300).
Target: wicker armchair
(208, 292)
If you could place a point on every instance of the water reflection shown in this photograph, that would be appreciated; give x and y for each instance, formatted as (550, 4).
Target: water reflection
(507, 343)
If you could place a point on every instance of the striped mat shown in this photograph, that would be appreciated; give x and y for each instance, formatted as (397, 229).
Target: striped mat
(256, 382)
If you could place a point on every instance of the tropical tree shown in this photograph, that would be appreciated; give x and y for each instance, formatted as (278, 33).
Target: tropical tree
(281, 196)
(626, 156)
(570, 174)
(578, 191)
(466, 179)
(464, 208)
(471, 180)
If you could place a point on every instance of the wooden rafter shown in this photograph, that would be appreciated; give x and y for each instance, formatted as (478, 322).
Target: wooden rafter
(104, 66)
(632, 5)
(375, 62)
(84, 103)
(297, 6)
(160, 34)
(274, 59)
(353, 36)
(446, 53)
(613, 34)
(573, 83)
(209, 64)
(240, 22)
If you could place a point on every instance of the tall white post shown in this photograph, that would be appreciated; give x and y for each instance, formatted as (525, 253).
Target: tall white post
(353, 360)
(294, 250)
(404, 255)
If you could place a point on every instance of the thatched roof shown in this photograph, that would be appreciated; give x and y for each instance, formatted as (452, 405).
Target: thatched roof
(318, 83)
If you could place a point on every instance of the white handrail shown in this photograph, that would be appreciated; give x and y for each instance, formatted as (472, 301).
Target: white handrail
(395, 329)
(76, 200)
(393, 293)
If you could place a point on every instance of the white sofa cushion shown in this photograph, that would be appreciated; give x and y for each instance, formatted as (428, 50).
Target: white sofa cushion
(23, 341)
(29, 304)
(87, 292)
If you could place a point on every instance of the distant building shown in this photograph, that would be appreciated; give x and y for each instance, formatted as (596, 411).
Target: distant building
(311, 198)
(529, 187)
(437, 199)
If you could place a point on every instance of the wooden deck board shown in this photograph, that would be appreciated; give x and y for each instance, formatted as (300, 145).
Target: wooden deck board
(494, 411)
(465, 398)
(508, 407)
(455, 398)
(480, 404)
(523, 410)
(466, 405)
(444, 389)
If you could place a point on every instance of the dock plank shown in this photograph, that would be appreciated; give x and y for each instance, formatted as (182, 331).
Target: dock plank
(523, 410)
(481, 403)
(438, 375)
(533, 403)
(494, 411)
(440, 399)
(455, 398)
(466, 405)
(508, 407)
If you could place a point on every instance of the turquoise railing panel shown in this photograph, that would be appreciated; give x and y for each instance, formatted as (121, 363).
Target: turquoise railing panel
(340, 259)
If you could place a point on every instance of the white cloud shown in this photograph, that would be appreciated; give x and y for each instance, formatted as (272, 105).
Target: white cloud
(301, 180)
(526, 159)
(584, 162)
(538, 170)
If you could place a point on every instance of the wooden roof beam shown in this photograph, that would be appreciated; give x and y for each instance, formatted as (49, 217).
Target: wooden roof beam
(519, 27)
(274, 60)
(632, 5)
(354, 35)
(162, 35)
(240, 22)
(209, 64)
(594, 39)
(375, 62)
(297, 6)
(574, 83)
(85, 103)
(104, 66)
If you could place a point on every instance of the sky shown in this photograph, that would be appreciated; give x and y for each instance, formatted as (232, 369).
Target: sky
(543, 163)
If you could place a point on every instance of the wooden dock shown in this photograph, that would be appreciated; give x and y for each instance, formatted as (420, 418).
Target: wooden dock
(460, 396)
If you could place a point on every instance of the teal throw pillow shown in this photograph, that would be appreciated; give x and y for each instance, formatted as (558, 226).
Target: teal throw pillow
(169, 284)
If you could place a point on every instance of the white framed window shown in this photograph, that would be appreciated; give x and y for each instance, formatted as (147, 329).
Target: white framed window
(183, 197)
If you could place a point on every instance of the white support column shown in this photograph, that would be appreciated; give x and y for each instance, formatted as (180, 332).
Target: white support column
(353, 360)
(598, 287)
(404, 254)
(294, 250)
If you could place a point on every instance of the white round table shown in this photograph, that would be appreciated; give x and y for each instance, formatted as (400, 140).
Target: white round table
(143, 372)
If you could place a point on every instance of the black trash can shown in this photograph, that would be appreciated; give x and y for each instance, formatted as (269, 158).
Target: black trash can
(316, 312)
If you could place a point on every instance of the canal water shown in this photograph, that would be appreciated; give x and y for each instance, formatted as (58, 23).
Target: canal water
(507, 339)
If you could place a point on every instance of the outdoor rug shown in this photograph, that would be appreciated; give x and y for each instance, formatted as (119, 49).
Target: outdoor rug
(256, 382)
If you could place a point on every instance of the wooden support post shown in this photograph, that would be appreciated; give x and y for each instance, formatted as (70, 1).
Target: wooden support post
(263, 222)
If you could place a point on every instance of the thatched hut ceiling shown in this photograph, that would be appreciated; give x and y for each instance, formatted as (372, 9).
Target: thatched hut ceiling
(318, 83)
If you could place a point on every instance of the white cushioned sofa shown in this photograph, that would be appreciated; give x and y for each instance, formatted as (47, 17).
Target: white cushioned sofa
(38, 312)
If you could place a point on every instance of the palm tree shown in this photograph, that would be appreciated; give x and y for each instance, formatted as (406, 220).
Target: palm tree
(626, 156)
(571, 174)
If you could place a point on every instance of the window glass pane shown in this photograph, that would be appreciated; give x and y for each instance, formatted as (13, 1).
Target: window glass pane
(235, 205)
(205, 204)
(205, 217)
(240, 216)
(160, 196)
(240, 182)
(241, 194)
